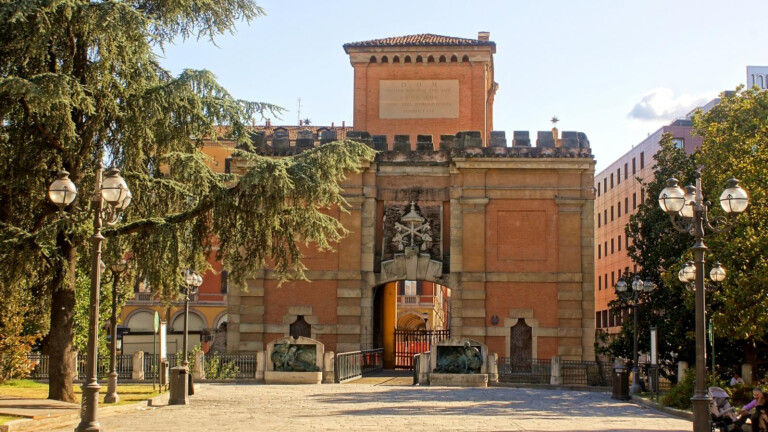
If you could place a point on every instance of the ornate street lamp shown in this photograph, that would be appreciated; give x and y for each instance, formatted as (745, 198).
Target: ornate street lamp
(115, 192)
(118, 268)
(637, 286)
(194, 281)
(688, 212)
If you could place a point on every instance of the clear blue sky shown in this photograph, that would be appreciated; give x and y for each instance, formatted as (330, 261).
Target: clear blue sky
(616, 70)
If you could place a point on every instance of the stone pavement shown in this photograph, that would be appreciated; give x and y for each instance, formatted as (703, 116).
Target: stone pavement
(389, 407)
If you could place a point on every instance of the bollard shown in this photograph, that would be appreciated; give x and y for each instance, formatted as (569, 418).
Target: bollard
(179, 386)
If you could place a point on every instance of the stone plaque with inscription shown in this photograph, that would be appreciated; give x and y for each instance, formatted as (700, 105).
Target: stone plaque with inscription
(412, 99)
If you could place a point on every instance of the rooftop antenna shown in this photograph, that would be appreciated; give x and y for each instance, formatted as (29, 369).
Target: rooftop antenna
(298, 114)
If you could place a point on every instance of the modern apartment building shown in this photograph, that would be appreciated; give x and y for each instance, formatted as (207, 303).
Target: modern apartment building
(619, 192)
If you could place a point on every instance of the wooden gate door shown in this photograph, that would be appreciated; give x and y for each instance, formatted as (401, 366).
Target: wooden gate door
(411, 342)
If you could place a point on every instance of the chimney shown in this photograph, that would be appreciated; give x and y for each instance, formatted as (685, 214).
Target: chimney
(343, 124)
(332, 126)
(268, 123)
(484, 36)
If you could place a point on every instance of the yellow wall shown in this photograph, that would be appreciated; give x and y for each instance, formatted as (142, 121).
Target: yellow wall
(388, 322)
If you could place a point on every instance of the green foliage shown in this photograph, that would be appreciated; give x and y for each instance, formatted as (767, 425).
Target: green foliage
(14, 344)
(81, 85)
(740, 395)
(736, 145)
(215, 368)
(659, 251)
(679, 396)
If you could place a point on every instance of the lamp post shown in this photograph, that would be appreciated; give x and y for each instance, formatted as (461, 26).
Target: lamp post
(115, 192)
(688, 212)
(194, 281)
(637, 287)
(112, 397)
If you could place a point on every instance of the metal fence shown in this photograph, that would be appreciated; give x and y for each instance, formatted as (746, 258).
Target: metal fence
(355, 364)
(587, 373)
(408, 343)
(524, 371)
(230, 366)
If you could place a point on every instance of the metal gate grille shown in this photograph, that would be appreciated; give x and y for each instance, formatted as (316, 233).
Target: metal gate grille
(411, 342)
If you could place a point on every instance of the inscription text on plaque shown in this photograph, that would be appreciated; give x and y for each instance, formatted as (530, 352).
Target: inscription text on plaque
(411, 99)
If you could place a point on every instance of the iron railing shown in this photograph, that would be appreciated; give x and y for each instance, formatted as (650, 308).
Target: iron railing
(586, 373)
(408, 343)
(230, 366)
(355, 364)
(524, 371)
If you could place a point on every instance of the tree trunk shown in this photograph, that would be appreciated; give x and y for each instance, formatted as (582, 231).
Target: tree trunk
(59, 340)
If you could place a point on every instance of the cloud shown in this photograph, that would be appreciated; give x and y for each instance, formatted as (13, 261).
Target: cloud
(661, 104)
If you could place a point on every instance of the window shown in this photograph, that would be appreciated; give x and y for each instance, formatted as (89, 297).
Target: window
(605, 184)
(626, 171)
(642, 160)
(599, 283)
(642, 195)
(634, 200)
(605, 248)
(633, 166)
(626, 242)
(618, 176)
(605, 216)
(678, 142)
(618, 209)
(410, 288)
(626, 204)
(611, 213)
(619, 242)
(611, 317)
(598, 315)
(611, 181)
(224, 281)
(598, 219)
(613, 281)
(598, 188)
(612, 250)
(599, 251)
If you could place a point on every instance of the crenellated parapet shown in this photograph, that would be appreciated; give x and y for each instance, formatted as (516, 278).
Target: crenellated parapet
(466, 144)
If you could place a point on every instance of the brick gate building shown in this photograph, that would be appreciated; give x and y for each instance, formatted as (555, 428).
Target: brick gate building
(508, 227)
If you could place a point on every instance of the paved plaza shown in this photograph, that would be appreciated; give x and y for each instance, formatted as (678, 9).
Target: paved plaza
(366, 407)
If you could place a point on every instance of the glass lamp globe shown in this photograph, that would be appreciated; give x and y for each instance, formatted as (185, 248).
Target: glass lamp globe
(62, 191)
(621, 286)
(734, 199)
(689, 271)
(717, 273)
(648, 286)
(690, 197)
(114, 189)
(671, 198)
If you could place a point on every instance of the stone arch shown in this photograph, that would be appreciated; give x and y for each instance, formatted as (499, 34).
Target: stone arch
(407, 59)
(454, 58)
(465, 59)
(384, 59)
(419, 59)
(220, 319)
(372, 59)
(396, 59)
(197, 321)
(409, 320)
(442, 59)
(141, 320)
(430, 59)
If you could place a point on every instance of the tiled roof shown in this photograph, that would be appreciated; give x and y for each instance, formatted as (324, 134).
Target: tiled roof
(425, 39)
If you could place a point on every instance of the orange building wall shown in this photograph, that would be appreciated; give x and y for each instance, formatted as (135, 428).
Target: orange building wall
(473, 104)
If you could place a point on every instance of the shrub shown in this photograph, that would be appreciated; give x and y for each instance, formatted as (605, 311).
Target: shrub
(679, 396)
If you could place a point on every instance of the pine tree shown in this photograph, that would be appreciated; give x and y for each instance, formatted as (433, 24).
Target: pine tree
(81, 84)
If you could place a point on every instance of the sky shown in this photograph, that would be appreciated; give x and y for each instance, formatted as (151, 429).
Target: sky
(615, 70)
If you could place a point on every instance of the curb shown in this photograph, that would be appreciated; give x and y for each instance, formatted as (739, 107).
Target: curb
(29, 425)
(685, 415)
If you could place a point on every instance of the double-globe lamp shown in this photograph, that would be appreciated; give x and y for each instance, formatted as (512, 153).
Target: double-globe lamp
(637, 287)
(114, 190)
(689, 205)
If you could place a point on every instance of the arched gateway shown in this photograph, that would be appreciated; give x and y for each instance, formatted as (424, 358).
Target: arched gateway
(508, 228)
